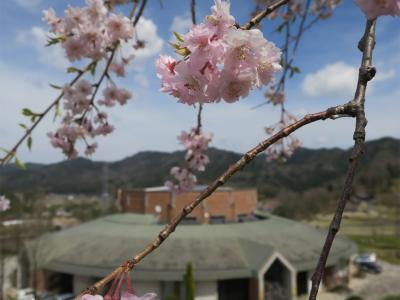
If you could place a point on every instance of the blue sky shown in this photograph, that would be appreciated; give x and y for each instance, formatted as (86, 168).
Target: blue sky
(328, 59)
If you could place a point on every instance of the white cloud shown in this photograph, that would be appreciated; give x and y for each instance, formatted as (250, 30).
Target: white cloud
(181, 24)
(147, 31)
(28, 4)
(54, 55)
(142, 80)
(384, 75)
(26, 88)
(334, 80)
(36, 38)
(339, 80)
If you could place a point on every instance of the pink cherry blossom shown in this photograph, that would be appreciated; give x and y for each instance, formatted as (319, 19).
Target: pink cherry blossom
(220, 18)
(89, 32)
(49, 16)
(119, 27)
(220, 61)
(376, 8)
(275, 97)
(195, 142)
(92, 297)
(118, 69)
(83, 88)
(4, 203)
(185, 180)
(74, 48)
(285, 147)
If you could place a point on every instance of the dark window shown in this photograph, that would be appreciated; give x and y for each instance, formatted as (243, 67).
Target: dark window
(217, 219)
(302, 283)
(189, 221)
(234, 289)
(60, 283)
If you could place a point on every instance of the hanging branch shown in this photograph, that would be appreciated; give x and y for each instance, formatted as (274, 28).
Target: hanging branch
(331, 113)
(366, 73)
(193, 13)
(10, 154)
(289, 60)
(269, 9)
(140, 12)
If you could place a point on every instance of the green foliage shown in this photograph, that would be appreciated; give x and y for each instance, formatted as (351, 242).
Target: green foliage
(55, 40)
(377, 241)
(309, 173)
(391, 297)
(73, 70)
(189, 283)
(354, 298)
(27, 112)
(54, 86)
(387, 247)
(29, 142)
(20, 164)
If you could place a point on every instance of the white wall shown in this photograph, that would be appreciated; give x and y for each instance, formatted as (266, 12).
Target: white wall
(206, 290)
(143, 287)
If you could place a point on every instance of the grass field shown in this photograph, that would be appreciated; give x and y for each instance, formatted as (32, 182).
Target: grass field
(374, 229)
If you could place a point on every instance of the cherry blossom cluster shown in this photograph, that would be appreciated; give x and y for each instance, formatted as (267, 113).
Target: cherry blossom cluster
(275, 96)
(88, 32)
(285, 147)
(321, 8)
(93, 32)
(121, 290)
(196, 143)
(82, 119)
(376, 8)
(4, 203)
(220, 61)
(124, 296)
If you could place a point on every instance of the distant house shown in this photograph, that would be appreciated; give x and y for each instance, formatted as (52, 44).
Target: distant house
(243, 255)
(225, 205)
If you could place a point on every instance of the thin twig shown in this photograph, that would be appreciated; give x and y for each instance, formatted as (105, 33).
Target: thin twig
(10, 154)
(258, 18)
(366, 73)
(199, 123)
(133, 9)
(199, 112)
(140, 12)
(289, 62)
(193, 11)
(221, 180)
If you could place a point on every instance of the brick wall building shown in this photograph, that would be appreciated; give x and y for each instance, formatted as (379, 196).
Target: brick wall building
(225, 205)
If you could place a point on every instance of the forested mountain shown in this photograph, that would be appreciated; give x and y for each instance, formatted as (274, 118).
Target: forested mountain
(308, 169)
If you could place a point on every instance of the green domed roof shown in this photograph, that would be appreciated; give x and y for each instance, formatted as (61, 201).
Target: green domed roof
(218, 251)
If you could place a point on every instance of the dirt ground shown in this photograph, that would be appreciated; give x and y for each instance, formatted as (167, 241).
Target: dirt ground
(372, 287)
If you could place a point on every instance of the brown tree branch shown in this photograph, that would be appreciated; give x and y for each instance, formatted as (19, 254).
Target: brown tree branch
(346, 109)
(257, 19)
(199, 123)
(8, 157)
(11, 153)
(366, 73)
(140, 12)
(193, 11)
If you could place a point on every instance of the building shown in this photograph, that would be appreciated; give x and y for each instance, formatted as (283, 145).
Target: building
(224, 205)
(243, 259)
